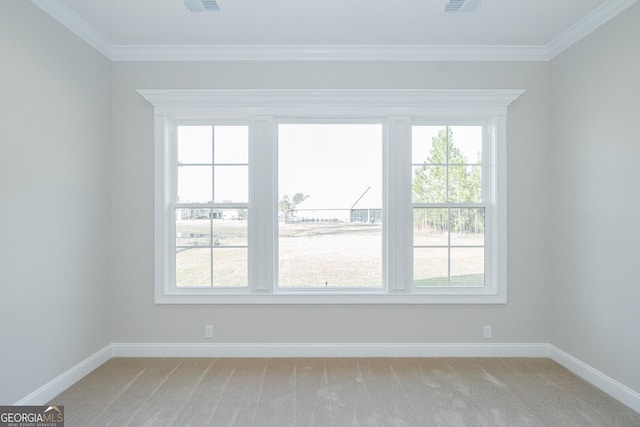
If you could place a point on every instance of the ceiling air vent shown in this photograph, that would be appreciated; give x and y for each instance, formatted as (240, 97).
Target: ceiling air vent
(461, 6)
(202, 5)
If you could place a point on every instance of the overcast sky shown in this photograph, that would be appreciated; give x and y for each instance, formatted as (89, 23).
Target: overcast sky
(334, 164)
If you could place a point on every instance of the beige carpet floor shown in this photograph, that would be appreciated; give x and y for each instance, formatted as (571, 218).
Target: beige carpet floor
(338, 392)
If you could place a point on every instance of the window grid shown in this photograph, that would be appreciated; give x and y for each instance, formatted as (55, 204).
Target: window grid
(215, 210)
(448, 204)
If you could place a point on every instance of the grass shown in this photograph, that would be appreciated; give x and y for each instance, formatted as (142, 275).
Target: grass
(197, 256)
(464, 280)
(318, 255)
(193, 267)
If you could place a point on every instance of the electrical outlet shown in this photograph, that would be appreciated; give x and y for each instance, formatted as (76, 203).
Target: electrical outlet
(488, 333)
(208, 331)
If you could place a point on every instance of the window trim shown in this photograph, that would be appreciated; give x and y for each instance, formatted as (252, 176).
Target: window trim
(398, 110)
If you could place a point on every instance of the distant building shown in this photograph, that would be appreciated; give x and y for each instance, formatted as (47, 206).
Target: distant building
(195, 213)
(363, 208)
(201, 213)
(206, 213)
(367, 209)
(366, 216)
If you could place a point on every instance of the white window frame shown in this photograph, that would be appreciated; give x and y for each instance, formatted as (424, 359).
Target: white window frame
(490, 196)
(398, 111)
(315, 291)
(171, 191)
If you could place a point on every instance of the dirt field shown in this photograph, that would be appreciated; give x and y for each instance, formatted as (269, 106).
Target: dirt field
(330, 255)
(319, 255)
(193, 263)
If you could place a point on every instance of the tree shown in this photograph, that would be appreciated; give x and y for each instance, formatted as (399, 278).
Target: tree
(445, 177)
(287, 206)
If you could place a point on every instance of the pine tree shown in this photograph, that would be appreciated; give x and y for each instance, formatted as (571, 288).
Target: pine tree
(446, 177)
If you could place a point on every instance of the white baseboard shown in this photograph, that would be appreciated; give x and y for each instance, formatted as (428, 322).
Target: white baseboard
(330, 350)
(65, 380)
(613, 388)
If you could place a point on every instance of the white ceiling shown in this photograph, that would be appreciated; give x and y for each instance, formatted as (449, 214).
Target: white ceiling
(319, 29)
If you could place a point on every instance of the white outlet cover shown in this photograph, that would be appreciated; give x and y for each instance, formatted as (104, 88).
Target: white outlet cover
(488, 333)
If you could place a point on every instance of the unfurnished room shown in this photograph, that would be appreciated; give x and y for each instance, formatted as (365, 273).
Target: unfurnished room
(319, 213)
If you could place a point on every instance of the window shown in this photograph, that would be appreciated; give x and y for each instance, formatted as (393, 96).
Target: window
(210, 206)
(330, 206)
(330, 196)
(448, 206)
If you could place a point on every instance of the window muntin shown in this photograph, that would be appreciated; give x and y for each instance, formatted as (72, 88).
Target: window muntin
(448, 206)
(330, 206)
(211, 206)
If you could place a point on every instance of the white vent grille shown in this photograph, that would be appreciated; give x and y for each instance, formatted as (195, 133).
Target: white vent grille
(202, 5)
(461, 6)
(453, 6)
(210, 5)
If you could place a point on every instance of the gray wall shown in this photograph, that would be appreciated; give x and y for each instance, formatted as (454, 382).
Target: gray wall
(136, 319)
(595, 251)
(55, 132)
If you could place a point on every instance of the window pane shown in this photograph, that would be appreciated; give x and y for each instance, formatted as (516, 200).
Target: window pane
(230, 267)
(193, 267)
(193, 227)
(231, 184)
(467, 266)
(429, 184)
(467, 227)
(330, 251)
(465, 184)
(447, 168)
(430, 227)
(431, 267)
(466, 144)
(427, 147)
(231, 144)
(230, 227)
(330, 205)
(194, 144)
(333, 164)
(194, 184)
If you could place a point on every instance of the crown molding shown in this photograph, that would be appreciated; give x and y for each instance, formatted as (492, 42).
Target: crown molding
(587, 25)
(329, 53)
(67, 17)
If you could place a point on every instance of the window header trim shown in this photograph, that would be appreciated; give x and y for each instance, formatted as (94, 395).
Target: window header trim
(197, 103)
